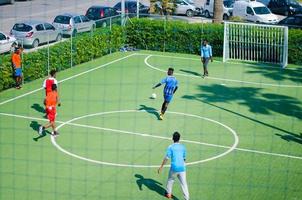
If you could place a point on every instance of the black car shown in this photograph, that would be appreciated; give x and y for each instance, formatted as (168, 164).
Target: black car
(101, 14)
(294, 21)
(285, 7)
(130, 7)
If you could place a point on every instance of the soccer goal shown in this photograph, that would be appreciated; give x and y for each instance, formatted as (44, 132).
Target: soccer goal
(255, 42)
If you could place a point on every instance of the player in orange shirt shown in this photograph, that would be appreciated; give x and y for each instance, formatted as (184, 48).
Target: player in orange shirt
(51, 101)
(16, 62)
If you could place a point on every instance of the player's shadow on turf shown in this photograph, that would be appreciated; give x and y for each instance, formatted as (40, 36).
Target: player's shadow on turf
(150, 110)
(291, 138)
(190, 72)
(151, 184)
(35, 126)
(38, 108)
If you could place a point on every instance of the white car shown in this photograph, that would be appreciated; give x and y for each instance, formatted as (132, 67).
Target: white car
(183, 7)
(7, 43)
(208, 9)
(254, 11)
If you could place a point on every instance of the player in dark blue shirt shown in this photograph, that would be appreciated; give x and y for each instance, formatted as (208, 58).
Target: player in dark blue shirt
(171, 85)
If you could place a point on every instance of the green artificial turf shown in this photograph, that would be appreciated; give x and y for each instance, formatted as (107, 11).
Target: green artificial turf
(117, 124)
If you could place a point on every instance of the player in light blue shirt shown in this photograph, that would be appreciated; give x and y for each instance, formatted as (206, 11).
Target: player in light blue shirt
(206, 56)
(177, 153)
(171, 85)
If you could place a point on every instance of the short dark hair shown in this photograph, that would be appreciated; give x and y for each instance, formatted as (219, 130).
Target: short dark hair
(54, 87)
(171, 69)
(53, 72)
(176, 136)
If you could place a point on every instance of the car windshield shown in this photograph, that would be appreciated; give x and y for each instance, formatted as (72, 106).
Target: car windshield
(261, 10)
(61, 19)
(190, 2)
(228, 4)
(294, 3)
(22, 27)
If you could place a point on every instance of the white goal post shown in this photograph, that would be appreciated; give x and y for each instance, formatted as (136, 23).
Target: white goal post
(255, 42)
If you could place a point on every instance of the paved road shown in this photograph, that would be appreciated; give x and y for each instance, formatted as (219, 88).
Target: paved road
(46, 10)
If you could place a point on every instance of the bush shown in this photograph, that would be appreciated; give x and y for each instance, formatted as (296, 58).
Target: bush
(85, 47)
(173, 36)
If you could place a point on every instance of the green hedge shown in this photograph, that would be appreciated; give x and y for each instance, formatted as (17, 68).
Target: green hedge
(181, 37)
(85, 47)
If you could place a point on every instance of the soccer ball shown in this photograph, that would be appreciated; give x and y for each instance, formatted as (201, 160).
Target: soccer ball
(153, 96)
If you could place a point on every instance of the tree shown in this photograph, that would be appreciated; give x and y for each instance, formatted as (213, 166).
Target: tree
(163, 7)
(218, 11)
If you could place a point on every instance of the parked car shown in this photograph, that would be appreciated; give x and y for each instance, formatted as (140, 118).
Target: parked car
(254, 11)
(183, 7)
(34, 32)
(208, 9)
(7, 1)
(71, 24)
(130, 7)
(99, 13)
(294, 21)
(285, 7)
(7, 43)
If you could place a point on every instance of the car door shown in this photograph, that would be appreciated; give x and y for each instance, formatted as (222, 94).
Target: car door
(181, 7)
(4, 43)
(51, 32)
(78, 23)
(249, 15)
(40, 33)
(86, 23)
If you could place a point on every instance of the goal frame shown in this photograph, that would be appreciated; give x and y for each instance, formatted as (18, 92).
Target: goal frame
(261, 43)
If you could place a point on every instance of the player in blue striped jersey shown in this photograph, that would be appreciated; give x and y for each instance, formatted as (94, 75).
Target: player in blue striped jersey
(171, 85)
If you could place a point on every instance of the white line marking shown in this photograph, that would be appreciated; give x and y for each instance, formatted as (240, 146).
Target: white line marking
(216, 78)
(239, 149)
(66, 79)
(230, 149)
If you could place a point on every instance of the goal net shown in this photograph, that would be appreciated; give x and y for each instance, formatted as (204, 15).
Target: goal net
(255, 42)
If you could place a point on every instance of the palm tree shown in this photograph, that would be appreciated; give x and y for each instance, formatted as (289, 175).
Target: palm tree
(218, 11)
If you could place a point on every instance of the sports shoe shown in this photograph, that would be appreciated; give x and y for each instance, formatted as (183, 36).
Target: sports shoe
(41, 129)
(169, 196)
(161, 116)
(55, 133)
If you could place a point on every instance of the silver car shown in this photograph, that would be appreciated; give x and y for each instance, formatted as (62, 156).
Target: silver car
(32, 33)
(70, 24)
(7, 43)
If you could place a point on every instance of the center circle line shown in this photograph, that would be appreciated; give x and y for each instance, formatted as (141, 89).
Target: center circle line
(230, 149)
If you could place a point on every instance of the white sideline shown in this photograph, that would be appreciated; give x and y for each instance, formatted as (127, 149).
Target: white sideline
(66, 79)
(121, 131)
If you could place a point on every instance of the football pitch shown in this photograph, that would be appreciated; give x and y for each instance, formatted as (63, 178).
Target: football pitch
(242, 127)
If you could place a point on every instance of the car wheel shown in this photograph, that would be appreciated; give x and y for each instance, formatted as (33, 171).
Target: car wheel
(104, 24)
(207, 14)
(35, 43)
(190, 13)
(59, 37)
(225, 17)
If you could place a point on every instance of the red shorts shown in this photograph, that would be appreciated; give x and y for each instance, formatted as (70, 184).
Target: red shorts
(51, 113)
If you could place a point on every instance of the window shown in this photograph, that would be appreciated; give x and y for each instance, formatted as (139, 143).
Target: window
(77, 19)
(84, 18)
(2, 36)
(40, 27)
(61, 19)
(107, 13)
(262, 10)
(22, 27)
(249, 11)
(49, 26)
